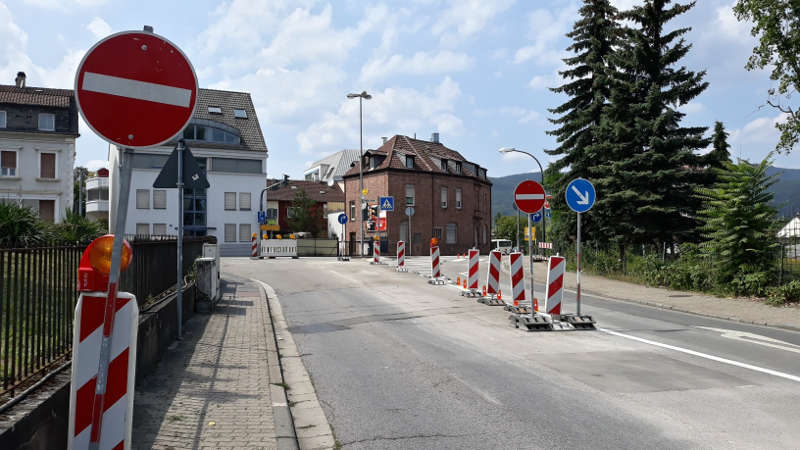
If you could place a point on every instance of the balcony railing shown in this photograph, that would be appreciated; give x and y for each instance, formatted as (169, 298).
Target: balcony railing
(97, 206)
(96, 183)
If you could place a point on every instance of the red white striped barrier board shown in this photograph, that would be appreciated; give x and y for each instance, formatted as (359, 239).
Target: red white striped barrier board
(401, 255)
(118, 404)
(546, 245)
(474, 261)
(253, 246)
(555, 284)
(435, 271)
(493, 280)
(376, 253)
(517, 278)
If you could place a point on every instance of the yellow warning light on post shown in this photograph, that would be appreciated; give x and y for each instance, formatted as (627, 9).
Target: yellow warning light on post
(100, 254)
(278, 236)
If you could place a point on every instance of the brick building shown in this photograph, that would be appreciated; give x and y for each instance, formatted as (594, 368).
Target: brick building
(279, 201)
(451, 196)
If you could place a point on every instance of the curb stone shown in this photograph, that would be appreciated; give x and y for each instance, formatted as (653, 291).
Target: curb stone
(305, 415)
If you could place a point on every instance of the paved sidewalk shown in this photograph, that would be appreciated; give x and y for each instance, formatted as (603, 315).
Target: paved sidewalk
(738, 309)
(212, 389)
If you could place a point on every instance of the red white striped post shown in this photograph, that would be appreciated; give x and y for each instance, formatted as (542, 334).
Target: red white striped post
(401, 256)
(376, 253)
(87, 338)
(435, 271)
(555, 285)
(517, 278)
(493, 279)
(254, 246)
(474, 261)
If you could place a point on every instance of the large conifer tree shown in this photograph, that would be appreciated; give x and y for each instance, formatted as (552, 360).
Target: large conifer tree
(648, 181)
(588, 86)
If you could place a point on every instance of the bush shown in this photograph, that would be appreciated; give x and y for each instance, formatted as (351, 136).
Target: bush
(76, 228)
(20, 225)
(788, 293)
(750, 281)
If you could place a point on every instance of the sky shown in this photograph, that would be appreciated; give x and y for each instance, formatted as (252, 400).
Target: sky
(475, 71)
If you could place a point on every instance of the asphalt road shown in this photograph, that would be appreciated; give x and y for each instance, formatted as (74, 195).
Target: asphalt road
(398, 363)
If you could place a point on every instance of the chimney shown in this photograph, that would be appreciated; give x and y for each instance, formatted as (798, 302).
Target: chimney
(435, 138)
(20, 80)
(384, 139)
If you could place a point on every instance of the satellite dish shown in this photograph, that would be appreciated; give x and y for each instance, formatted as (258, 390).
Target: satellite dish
(330, 182)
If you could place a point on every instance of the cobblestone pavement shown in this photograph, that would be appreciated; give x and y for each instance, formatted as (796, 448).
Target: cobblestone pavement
(212, 389)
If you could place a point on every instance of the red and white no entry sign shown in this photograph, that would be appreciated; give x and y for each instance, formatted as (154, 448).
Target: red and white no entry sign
(136, 89)
(529, 196)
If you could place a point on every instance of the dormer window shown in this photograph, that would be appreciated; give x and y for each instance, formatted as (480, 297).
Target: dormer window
(458, 168)
(409, 162)
(214, 110)
(240, 114)
(372, 162)
(444, 165)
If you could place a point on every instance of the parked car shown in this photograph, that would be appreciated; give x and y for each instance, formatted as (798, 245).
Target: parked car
(502, 245)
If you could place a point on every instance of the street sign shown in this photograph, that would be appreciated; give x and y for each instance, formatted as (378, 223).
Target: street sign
(536, 217)
(580, 195)
(342, 218)
(529, 196)
(409, 211)
(193, 176)
(387, 203)
(262, 217)
(136, 89)
(548, 213)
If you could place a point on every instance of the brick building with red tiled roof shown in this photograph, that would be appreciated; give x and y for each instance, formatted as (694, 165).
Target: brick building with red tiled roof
(450, 195)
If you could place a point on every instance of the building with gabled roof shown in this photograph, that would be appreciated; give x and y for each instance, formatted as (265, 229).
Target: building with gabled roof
(451, 196)
(332, 167)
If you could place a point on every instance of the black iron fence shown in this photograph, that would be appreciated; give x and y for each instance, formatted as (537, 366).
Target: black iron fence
(38, 292)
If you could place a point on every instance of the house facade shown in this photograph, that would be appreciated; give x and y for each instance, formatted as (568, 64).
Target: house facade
(225, 139)
(38, 128)
(97, 196)
(328, 199)
(451, 197)
(332, 168)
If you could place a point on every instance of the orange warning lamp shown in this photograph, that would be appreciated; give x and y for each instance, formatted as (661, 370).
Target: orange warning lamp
(96, 263)
(434, 242)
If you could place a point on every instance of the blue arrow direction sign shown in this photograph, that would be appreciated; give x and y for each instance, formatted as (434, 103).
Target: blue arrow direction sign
(387, 203)
(547, 213)
(536, 217)
(262, 217)
(580, 195)
(342, 218)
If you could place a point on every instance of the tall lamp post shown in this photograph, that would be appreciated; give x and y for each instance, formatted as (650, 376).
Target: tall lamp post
(362, 96)
(506, 150)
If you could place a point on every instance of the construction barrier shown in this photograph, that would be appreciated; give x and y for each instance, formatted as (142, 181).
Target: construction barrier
(517, 279)
(436, 273)
(376, 253)
(254, 246)
(117, 417)
(401, 257)
(493, 281)
(555, 285)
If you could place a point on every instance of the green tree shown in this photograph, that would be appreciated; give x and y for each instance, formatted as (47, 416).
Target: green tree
(20, 225)
(505, 227)
(588, 88)
(648, 183)
(76, 229)
(307, 215)
(738, 224)
(80, 174)
(720, 152)
(776, 23)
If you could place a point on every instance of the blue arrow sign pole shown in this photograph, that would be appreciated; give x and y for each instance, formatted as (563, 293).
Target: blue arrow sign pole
(578, 269)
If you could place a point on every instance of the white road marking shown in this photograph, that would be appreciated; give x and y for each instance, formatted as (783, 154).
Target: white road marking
(731, 362)
(140, 90)
(755, 339)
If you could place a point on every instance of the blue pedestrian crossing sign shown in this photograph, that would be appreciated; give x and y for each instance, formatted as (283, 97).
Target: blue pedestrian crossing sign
(536, 217)
(262, 217)
(580, 195)
(342, 218)
(387, 203)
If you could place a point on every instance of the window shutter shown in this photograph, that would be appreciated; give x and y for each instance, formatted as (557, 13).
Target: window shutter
(244, 201)
(8, 160)
(48, 165)
(230, 200)
(143, 199)
(159, 201)
(142, 229)
(244, 232)
(230, 232)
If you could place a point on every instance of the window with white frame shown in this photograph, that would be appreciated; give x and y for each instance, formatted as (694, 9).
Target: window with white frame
(452, 233)
(214, 110)
(8, 163)
(142, 229)
(159, 201)
(458, 198)
(244, 232)
(244, 201)
(160, 229)
(352, 210)
(230, 232)
(458, 168)
(444, 197)
(409, 162)
(230, 201)
(2, 119)
(47, 165)
(143, 199)
(410, 195)
(47, 122)
(240, 114)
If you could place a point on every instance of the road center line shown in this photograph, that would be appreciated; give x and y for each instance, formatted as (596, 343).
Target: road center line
(706, 356)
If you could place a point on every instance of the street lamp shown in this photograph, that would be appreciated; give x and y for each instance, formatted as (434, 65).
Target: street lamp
(506, 150)
(362, 96)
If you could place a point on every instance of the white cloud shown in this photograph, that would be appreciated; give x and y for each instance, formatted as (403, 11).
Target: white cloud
(99, 28)
(546, 32)
(421, 63)
(727, 26)
(757, 138)
(465, 18)
(391, 111)
(95, 164)
(63, 5)
(624, 5)
(692, 107)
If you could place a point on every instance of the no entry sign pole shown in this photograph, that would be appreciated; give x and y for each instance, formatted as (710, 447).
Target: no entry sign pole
(110, 308)
(530, 260)
(179, 185)
(529, 197)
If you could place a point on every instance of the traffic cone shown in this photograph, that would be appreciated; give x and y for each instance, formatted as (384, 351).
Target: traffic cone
(535, 304)
(484, 290)
(516, 302)
(465, 283)
(499, 294)
(458, 281)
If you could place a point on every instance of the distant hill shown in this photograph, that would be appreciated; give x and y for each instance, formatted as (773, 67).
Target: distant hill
(786, 190)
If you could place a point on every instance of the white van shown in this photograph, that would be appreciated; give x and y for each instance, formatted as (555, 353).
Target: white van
(501, 245)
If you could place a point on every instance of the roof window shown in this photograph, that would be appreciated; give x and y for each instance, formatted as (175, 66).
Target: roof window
(240, 114)
(214, 110)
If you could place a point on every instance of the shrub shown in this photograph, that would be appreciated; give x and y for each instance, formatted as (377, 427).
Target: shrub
(76, 228)
(20, 225)
(788, 293)
(750, 281)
